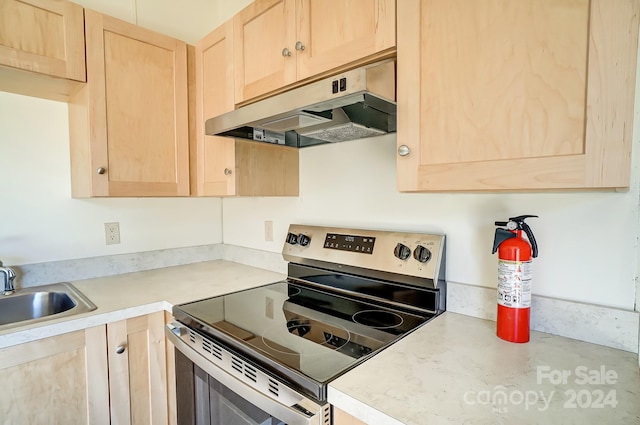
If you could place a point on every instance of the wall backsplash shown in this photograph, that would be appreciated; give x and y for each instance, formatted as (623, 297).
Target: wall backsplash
(600, 325)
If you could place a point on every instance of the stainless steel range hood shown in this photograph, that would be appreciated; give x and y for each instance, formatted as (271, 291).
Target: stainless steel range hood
(353, 105)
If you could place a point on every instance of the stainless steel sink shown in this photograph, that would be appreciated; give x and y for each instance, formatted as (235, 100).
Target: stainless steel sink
(42, 303)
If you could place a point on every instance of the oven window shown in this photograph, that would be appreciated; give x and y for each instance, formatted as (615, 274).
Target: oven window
(202, 400)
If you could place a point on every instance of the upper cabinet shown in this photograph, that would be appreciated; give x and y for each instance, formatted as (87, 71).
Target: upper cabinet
(280, 42)
(46, 39)
(222, 166)
(44, 36)
(214, 96)
(527, 95)
(129, 123)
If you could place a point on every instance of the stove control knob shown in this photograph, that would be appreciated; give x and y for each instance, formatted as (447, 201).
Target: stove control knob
(402, 251)
(422, 254)
(292, 239)
(303, 239)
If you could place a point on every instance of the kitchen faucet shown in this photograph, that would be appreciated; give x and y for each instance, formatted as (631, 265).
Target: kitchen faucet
(9, 276)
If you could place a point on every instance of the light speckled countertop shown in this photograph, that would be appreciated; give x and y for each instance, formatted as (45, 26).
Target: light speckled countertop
(454, 370)
(134, 294)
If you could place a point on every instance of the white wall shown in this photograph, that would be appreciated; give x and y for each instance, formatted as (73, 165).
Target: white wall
(40, 221)
(587, 241)
(187, 20)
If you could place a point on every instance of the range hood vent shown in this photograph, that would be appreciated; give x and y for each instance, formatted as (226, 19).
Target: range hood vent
(353, 105)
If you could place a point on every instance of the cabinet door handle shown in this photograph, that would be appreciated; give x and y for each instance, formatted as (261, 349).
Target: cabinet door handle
(228, 171)
(120, 349)
(299, 46)
(403, 150)
(101, 170)
(286, 52)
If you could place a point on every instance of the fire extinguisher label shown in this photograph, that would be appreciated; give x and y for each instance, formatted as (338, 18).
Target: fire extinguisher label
(514, 283)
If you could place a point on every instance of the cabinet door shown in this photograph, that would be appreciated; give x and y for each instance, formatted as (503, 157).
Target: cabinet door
(262, 32)
(263, 169)
(335, 33)
(62, 380)
(215, 156)
(138, 370)
(228, 167)
(500, 95)
(340, 417)
(131, 119)
(43, 36)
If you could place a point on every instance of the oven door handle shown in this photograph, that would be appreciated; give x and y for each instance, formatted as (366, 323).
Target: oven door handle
(289, 415)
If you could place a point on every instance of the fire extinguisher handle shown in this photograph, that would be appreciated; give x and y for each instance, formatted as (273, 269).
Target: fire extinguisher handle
(521, 218)
(501, 223)
(532, 239)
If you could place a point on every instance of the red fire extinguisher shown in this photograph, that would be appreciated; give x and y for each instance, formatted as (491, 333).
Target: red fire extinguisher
(514, 277)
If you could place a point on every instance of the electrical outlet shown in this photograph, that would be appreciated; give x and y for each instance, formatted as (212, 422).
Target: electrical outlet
(268, 231)
(112, 233)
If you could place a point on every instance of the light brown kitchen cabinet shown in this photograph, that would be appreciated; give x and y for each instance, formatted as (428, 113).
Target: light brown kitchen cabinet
(172, 398)
(138, 370)
(41, 47)
(340, 417)
(61, 379)
(281, 42)
(224, 166)
(129, 124)
(105, 374)
(527, 95)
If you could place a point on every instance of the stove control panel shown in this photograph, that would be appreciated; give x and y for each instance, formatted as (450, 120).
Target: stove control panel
(422, 254)
(402, 251)
(300, 239)
(353, 243)
(412, 254)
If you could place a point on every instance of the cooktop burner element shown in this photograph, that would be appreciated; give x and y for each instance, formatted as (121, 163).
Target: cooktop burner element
(349, 294)
(378, 319)
(321, 334)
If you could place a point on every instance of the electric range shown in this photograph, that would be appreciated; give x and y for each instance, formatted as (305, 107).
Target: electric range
(349, 294)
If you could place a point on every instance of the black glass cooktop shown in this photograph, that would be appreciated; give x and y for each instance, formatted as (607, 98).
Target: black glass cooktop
(286, 327)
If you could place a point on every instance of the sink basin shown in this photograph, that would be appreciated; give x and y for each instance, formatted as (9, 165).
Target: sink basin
(42, 303)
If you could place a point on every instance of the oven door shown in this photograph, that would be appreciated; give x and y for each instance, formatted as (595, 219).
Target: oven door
(208, 395)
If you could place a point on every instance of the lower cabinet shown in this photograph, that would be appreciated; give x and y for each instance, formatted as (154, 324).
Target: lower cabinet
(138, 370)
(105, 374)
(62, 379)
(340, 417)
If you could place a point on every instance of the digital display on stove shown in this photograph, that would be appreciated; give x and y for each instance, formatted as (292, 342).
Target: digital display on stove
(362, 244)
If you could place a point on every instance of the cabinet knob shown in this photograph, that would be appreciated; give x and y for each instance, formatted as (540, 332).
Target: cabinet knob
(120, 349)
(228, 171)
(286, 52)
(403, 150)
(299, 46)
(101, 170)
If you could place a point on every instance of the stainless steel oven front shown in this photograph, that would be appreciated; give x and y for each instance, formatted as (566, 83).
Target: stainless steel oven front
(215, 386)
(266, 355)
